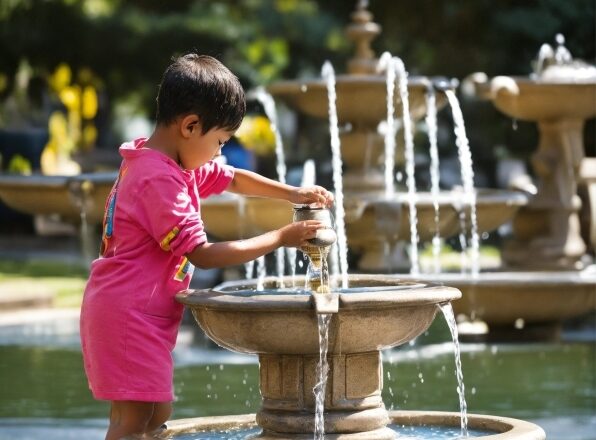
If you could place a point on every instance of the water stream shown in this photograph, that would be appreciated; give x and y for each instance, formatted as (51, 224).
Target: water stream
(467, 172)
(431, 125)
(395, 69)
(322, 370)
(447, 310)
(328, 75)
(268, 104)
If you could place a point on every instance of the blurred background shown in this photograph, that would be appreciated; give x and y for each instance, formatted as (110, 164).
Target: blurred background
(94, 65)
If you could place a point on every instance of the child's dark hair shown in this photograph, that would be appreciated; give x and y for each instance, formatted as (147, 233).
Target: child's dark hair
(201, 85)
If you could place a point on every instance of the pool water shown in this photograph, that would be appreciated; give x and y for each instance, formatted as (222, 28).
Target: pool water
(409, 433)
(44, 394)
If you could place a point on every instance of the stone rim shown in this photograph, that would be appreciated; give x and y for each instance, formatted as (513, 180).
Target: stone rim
(505, 427)
(230, 295)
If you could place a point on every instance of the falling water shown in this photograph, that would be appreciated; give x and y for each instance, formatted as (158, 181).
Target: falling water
(450, 318)
(467, 172)
(269, 106)
(431, 124)
(329, 75)
(390, 127)
(261, 272)
(322, 370)
(396, 65)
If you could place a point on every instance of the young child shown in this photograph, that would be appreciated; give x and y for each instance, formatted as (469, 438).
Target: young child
(153, 235)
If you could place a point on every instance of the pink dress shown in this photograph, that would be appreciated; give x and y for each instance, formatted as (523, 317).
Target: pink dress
(129, 317)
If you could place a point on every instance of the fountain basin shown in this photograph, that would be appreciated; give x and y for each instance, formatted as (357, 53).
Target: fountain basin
(538, 100)
(374, 224)
(360, 98)
(280, 325)
(522, 305)
(67, 196)
(503, 428)
(376, 215)
(282, 320)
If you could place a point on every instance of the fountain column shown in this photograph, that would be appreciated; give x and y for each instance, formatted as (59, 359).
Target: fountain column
(353, 402)
(548, 229)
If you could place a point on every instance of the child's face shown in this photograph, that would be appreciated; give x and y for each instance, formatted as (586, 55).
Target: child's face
(201, 148)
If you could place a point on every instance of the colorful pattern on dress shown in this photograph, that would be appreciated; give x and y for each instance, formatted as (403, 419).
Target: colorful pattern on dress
(110, 210)
(165, 243)
(185, 268)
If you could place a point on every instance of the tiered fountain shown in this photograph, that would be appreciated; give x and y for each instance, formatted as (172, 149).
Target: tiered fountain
(559, 96)
(376, 222)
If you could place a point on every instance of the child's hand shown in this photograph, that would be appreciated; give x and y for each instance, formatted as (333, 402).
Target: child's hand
(312, 194)
(296, 234)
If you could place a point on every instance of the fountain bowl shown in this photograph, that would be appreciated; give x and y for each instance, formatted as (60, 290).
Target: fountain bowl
(377, 312)
(310, 97)
(67, 196)
(518, 305)
(504, 428)
(530, 99)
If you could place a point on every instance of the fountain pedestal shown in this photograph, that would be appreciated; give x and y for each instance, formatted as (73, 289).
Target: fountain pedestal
(549, 227)
(353, 402)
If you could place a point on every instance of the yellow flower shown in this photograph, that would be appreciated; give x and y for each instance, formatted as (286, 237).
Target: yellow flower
(71, 97)
(61, 77)
(256, 134)
(89, 102)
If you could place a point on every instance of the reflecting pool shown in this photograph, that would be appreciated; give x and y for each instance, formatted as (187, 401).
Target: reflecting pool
(44, 395)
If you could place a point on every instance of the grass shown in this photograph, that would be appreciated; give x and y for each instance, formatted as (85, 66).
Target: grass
(65, 282)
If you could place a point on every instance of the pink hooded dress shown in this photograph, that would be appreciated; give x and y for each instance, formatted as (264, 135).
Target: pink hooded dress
(129, 317)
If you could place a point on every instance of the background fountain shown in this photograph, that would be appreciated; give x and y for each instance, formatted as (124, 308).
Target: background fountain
(560, 96)
(376, 223)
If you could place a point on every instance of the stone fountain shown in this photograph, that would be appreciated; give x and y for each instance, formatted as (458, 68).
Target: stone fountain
(377, 223)
(280, 326)
(560, 96)
(526, 302)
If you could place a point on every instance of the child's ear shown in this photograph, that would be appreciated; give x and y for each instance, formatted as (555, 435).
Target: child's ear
(189, 125)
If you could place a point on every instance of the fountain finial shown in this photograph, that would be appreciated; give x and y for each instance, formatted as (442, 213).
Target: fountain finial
(362, 31)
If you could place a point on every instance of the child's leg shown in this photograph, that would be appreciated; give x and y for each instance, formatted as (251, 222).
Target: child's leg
(161, 414)
(128, 418)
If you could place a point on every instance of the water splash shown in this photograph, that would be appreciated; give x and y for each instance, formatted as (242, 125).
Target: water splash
(322, 371)
(447, 310)
(467, 173)
(395, 64)
(328, 75)
(431, 124)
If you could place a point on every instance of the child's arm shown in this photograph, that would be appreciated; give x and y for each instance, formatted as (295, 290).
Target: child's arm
(230, 253)
(253, 184)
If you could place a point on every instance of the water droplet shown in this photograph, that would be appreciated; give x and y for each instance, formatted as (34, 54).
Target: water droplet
(221, 367)
(494, 349)
(473, 390)
(303, 88)
(485, 235)
(519, 323)
(514, 124)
